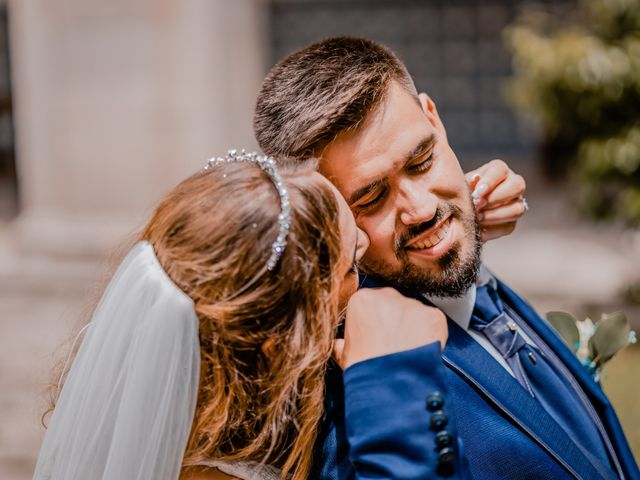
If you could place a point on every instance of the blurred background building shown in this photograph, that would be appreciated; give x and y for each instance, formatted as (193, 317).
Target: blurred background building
(106, 105)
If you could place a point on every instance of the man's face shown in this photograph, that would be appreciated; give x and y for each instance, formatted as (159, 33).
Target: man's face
(408, 193)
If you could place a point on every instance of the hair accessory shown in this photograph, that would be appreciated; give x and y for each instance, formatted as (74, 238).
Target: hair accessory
(268, 165)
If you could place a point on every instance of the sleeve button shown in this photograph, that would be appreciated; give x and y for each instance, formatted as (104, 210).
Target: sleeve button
(443, 439)
(446, 455)
(435, 402)
(439, 420)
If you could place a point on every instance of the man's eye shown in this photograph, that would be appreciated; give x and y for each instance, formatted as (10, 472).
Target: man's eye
(423, 165)
(371, 202)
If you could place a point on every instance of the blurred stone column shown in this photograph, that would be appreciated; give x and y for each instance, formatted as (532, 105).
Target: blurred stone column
(116, 101)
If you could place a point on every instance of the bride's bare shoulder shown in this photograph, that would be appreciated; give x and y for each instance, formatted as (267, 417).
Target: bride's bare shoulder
(204, 473)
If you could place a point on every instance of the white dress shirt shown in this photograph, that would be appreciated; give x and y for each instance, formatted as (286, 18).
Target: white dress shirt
(459, 309)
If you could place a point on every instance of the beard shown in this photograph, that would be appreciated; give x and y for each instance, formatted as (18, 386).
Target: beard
(454, 271)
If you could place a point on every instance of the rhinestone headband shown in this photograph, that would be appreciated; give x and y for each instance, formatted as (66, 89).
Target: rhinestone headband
(268, 165)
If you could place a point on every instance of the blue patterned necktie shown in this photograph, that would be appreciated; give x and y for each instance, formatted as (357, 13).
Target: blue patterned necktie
(535, 373)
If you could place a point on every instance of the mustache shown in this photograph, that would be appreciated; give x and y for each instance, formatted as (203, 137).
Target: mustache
(413, 231)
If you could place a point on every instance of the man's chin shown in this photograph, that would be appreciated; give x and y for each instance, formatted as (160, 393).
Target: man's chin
(450, 275)
(451, 278)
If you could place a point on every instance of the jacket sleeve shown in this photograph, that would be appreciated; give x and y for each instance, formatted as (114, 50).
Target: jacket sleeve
(398, 418)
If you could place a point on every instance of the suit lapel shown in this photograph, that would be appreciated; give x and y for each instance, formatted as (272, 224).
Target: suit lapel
(468, 359)
(552, 339)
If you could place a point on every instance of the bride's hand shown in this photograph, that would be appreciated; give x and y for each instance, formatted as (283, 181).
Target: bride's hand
(380, 321)
(498, 195)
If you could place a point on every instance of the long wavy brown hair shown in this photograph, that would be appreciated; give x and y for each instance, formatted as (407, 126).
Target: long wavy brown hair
(265, 336)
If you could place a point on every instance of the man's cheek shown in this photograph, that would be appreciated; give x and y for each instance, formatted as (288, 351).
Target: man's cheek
(379, 257)
(372, 230)
(380, 228)
(382, 246)
(375, 252)
(451, 172)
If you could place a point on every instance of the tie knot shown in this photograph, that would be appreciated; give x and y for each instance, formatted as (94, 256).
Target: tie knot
(487, 308)
(490, 319)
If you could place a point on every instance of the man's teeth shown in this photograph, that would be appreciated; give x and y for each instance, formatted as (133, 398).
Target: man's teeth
(432, 239)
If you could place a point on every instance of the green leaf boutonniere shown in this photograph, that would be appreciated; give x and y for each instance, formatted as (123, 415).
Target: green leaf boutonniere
(594, 343)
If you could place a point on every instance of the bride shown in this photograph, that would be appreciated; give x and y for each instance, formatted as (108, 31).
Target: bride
(206, 355)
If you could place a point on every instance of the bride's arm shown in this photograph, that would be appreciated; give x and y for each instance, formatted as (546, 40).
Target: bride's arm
(393, 367)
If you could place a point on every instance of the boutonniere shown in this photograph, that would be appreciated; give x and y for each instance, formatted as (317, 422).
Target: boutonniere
(594, 343)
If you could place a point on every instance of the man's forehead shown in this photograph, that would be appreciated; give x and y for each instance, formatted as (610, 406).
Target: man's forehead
(352, 166)
(381, 120)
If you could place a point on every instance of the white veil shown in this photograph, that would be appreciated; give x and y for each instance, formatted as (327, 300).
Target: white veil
(127, 406)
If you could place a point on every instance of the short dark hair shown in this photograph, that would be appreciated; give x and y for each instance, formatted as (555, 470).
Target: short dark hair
(312, 95)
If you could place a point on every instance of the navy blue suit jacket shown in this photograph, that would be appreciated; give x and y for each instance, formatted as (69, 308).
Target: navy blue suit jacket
(377, 425)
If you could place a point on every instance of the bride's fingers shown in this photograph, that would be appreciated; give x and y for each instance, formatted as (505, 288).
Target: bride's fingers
(504, 214)
(486, 179)
(508, 191)
(493, 232)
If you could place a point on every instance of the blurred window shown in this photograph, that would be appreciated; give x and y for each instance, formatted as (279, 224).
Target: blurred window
(453, 49)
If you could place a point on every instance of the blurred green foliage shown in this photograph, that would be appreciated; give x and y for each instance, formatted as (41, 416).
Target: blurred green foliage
(580, 77)
(620, 382)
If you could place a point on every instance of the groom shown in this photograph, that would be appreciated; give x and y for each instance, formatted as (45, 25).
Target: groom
(506, 398)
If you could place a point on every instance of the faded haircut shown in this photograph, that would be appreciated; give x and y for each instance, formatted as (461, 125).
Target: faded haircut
(329, 87)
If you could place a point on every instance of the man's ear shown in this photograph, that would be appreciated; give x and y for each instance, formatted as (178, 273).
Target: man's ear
(429, 108)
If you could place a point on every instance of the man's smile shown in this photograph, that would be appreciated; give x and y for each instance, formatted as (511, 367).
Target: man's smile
(435, 241)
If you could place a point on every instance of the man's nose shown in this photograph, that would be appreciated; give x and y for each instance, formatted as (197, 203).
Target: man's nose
(416, 204)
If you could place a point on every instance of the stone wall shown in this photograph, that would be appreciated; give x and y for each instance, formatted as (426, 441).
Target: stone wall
(116, 101)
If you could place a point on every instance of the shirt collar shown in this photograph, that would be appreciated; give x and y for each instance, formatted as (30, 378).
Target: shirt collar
(460, 309)
(486, 277)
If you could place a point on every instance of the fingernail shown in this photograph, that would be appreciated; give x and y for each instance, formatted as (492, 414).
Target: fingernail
(480, 216)
(479, 202)
(479, 190)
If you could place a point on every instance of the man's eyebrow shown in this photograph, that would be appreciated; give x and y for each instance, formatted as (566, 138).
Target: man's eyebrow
(422, 147)
(362, 191)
